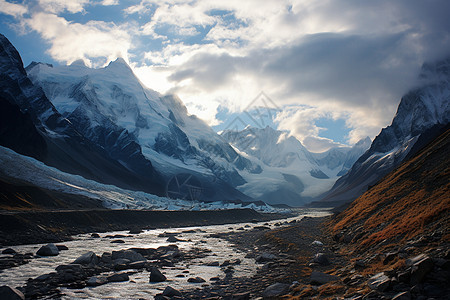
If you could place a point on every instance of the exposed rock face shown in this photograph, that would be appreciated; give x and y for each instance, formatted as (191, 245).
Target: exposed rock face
(422, 115)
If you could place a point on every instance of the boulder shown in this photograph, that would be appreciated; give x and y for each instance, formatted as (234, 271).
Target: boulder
(88, 258)
(118, 277)
(275, 290)
(171, 292)
(95, 236)
(420, 265)
(321, 259)
(9, 251)
(379, 282)
(265, 257)
(73, 268)
(319, 278)
(196, 280)
(131, 255)
(156, 275)
(96, 281)
(9, 293)
(48, 250)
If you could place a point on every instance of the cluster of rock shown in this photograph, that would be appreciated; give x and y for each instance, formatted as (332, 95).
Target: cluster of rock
(90, 270)
(10, 258)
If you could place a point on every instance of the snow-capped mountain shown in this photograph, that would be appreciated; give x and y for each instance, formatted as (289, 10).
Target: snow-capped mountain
(32, 126)
(342, 158)
(111, 108)
(289, 172)
(422, 114)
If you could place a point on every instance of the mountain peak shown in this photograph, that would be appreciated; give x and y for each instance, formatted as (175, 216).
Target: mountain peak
(78, 63)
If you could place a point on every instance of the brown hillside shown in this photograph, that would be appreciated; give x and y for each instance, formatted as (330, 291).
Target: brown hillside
(412, 200)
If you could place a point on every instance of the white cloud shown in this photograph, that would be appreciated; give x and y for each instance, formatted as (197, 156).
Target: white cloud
(12, 9)
(110, 2)
(349, 58)
(56, 6)
(90, 41)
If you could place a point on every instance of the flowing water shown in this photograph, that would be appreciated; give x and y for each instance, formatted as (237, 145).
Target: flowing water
(139, 286)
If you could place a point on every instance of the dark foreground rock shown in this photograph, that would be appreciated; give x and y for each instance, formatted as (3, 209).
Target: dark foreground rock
(9, 293)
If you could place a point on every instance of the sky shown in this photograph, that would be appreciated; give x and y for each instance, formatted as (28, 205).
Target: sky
(330, 72)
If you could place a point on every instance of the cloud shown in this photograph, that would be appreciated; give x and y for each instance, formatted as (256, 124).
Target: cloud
(56, 6)
(95, 42)
(12, 9)
(349, 58)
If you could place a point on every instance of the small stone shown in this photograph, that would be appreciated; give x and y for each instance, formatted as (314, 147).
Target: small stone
(95, 236)
(9, 251)
(117, 242)
(319, 278)
(275, 290)
(265, 257)
(361, 264)
(9, 293)
(317, 243)
(225, 263)
(48, 250)
(156, 276)
(241, 296)
(389, 257)
(379, 282)
(96, 281)
(171, 292)
(321, 259)
(196, 280)
(213, 264)
(118, 277)
(402, 296)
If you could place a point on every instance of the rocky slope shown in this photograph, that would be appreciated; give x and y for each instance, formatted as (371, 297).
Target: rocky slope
(423, 113)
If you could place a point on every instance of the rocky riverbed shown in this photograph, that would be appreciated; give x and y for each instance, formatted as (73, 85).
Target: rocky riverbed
(195, 261)
(296, 258)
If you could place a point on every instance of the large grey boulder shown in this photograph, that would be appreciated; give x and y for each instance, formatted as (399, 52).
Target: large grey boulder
(48, 250)
(88, 258)
(131, 255)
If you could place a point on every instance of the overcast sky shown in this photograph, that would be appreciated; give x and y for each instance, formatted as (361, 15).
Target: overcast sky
(334, 70)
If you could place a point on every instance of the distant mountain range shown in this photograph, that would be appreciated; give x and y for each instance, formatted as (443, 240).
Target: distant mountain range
(106, 126)
(289, 173)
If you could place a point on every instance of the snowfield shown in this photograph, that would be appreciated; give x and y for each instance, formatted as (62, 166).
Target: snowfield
(35, 172)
